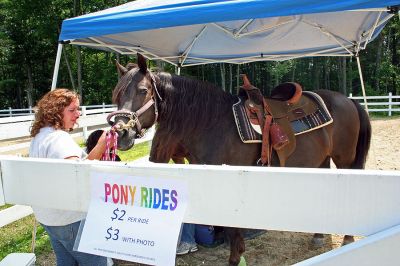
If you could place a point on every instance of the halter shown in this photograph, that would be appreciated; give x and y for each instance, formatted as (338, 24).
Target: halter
(134, 116)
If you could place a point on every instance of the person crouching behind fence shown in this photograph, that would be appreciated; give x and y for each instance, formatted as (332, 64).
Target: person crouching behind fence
(92, 141)
(55, 115)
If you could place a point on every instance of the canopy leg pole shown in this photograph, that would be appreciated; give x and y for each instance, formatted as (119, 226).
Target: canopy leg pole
(56, 66)
(362, 84)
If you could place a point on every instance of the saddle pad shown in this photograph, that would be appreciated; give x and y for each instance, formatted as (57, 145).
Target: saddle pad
(250, 133)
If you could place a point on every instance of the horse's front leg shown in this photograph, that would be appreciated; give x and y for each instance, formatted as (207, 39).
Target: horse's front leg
(235, 236)
(158, 156)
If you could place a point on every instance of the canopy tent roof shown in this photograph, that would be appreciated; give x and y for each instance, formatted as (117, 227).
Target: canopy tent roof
(186, 33)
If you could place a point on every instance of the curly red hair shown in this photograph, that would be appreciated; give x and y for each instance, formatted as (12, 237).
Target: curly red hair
(49, 109)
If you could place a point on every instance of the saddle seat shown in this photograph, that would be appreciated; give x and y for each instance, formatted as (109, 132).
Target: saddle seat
(274, 117)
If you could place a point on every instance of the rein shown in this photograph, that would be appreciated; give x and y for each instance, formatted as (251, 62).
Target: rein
(134, 116)
(111, 135)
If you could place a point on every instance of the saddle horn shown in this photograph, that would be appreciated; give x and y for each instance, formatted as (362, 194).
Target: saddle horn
(246, 83)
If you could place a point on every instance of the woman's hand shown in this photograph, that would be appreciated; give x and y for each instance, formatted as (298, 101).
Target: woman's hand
(107, 138)
(98, 150)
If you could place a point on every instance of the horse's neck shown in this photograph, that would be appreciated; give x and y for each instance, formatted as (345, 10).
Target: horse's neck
(182, 94)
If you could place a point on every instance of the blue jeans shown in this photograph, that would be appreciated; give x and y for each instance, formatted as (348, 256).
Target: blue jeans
(62, 240)
(187, 233)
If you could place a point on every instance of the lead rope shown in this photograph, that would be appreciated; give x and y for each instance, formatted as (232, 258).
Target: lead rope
(110, 136)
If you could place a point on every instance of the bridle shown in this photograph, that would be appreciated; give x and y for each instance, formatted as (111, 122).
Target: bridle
(134, 116)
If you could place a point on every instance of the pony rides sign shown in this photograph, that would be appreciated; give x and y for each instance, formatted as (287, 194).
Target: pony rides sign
(134, 218)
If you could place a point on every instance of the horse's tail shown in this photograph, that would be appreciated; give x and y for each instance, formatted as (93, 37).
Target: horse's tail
(364, 138)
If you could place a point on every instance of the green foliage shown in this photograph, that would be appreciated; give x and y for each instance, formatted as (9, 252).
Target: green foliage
(29, 31)
(8, 92)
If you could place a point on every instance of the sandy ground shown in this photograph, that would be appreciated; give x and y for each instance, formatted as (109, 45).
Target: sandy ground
(286, 248)
(385, 145)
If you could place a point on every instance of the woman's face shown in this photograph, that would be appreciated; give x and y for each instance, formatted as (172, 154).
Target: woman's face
(71, 114)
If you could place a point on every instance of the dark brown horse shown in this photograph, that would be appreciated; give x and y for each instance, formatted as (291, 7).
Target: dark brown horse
(195, 120)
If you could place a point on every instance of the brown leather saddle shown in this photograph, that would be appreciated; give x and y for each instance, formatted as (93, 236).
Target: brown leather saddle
(277, 115)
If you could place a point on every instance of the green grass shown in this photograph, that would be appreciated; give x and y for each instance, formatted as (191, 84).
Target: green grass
(5, 206)
(138, 151)
(17, 236)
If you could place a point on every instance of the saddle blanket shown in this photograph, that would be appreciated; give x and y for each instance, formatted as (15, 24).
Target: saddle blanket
(250, 133)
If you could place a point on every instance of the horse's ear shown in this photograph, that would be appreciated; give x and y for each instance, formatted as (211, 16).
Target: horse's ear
(121, 70)
(142, 63)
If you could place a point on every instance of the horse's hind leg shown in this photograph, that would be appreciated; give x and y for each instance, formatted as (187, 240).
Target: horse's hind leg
(318, 239)
(347, 240)
(237, 246)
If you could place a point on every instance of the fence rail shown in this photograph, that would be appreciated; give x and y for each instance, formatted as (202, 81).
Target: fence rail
(369, 198)
(29, 111)
(18, 126)
(391, 103)
(380, 101)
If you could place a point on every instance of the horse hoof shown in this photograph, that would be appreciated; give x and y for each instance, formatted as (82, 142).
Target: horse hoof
(347, 240)
(233, 263)
(317, 241)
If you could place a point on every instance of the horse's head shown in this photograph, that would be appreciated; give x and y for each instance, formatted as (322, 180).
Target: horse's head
(136, 99)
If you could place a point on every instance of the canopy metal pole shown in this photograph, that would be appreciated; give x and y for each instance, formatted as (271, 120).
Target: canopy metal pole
(57, 66)
(362, 83)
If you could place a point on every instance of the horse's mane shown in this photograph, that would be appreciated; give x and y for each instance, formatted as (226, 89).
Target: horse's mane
(190, 107)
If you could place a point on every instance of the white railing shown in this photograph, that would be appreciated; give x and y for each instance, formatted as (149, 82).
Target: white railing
(18, 127)
(375, 103)
(29, 111)
(354, 202)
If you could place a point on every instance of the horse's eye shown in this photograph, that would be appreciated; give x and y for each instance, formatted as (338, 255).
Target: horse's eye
(143, 90)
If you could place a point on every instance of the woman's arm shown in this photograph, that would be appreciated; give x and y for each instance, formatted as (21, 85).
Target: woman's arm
(97, 152)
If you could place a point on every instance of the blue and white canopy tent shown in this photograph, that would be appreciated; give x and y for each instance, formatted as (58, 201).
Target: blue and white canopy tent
(193, 32)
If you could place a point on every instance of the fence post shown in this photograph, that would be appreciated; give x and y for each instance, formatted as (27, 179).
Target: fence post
(104, 107)
(10, 111)
(390, 103)
(30, 109)
(84, 129)
(350, 95)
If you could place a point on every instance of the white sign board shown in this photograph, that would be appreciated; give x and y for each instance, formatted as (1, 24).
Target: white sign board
(134, 218)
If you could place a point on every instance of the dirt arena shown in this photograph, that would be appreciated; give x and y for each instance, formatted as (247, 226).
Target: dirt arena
(286, 248)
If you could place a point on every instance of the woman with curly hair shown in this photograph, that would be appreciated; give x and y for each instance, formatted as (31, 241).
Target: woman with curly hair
(56, 114)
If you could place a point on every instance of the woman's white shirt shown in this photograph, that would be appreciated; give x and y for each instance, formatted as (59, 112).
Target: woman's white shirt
(55, 144)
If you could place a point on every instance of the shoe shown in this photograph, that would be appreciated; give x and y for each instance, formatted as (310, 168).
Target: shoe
(185, 248)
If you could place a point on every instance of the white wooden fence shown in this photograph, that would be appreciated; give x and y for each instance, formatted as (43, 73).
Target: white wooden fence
(355, 202)
(378, 103)
(10, 112)
(373, 101)
(18, 126)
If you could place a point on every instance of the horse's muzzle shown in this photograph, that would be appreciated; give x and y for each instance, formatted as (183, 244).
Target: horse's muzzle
(126, 139)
